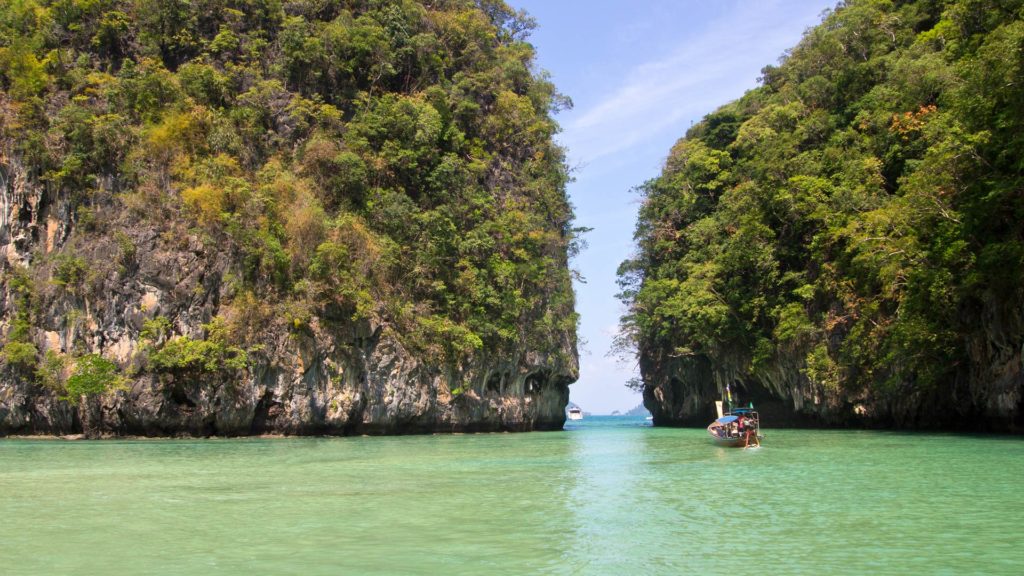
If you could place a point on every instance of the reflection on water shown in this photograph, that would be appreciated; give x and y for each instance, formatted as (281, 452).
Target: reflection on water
(606, 496)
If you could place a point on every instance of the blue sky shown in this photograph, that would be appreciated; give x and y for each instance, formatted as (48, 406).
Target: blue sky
(640, 72)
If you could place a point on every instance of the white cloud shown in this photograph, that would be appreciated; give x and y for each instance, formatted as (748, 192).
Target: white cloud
(705, 70)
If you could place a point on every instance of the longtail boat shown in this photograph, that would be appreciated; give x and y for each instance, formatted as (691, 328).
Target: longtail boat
(735, 427)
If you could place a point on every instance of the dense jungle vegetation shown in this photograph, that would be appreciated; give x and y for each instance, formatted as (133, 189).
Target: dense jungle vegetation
(382, 160)
(860, 212)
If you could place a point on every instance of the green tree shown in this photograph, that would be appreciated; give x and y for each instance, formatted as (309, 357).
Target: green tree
(93, 375)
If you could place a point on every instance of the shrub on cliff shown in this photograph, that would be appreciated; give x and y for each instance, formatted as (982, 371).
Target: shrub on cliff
(20, 354)
(51, 372)
(18, 350)
(210, 354)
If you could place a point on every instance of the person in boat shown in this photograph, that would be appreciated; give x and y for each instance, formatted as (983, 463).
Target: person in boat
(751, 432)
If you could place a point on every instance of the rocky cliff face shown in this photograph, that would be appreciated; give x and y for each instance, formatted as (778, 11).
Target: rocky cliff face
(336, 378)
(983, 396)
(983, 393)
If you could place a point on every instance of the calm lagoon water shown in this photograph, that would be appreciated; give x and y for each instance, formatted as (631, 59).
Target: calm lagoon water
(605, 496)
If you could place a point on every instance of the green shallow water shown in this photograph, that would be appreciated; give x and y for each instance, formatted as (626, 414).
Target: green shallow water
(608, 496)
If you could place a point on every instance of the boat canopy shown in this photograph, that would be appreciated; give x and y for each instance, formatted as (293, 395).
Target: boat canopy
(727, 419)
(742, 411)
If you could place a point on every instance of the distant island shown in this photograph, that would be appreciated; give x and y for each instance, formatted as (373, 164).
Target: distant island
(638, 410)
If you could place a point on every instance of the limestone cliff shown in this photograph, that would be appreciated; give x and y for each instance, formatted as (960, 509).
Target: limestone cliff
(842, 245)
(258, 218)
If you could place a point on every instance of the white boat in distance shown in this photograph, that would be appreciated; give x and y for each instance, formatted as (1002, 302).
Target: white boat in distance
(575, 414)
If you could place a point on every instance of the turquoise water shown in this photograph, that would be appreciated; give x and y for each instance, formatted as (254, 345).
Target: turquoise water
(606, 496)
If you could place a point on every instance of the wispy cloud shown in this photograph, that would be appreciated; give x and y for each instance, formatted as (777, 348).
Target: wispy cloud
(704, 71)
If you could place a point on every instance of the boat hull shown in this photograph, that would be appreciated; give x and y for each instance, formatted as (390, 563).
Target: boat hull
(730, 441)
